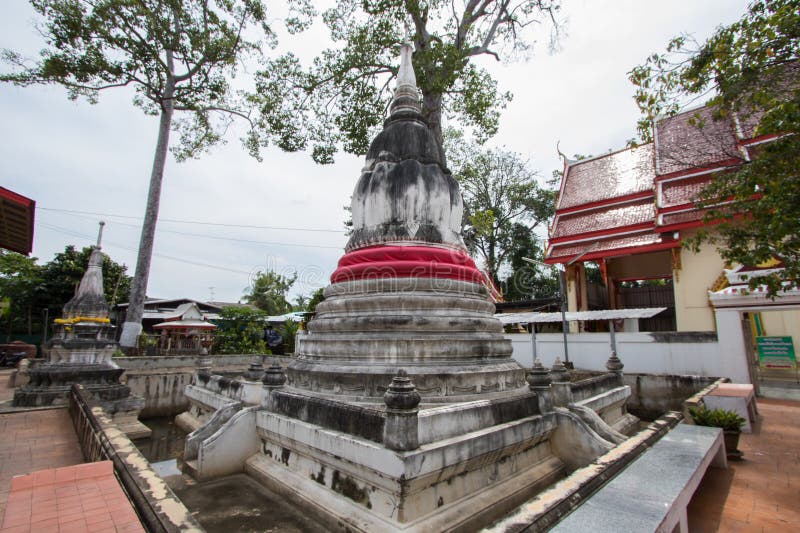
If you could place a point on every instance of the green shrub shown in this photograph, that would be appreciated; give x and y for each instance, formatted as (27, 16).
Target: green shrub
(718, 418)
(240, 330)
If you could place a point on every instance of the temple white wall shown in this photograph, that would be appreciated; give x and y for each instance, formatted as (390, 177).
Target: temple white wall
(785, 323)
(691, 282)
(577, 297)
(640, 353)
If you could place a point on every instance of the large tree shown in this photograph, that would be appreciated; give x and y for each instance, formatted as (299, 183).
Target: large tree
(178, 55)
(22, 290)
(504, 205)
(269, 290)
(31, 288)
(62, 275)
(343, 96)
(752, 70)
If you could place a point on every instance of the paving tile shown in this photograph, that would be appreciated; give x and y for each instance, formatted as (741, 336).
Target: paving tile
(46, 515)
(16, 529)
(100, 527)
(757, 493)
(100, 516)
(77, 526)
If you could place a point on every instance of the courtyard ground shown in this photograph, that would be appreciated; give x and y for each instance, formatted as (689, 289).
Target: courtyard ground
(757, 494)
(760, 493)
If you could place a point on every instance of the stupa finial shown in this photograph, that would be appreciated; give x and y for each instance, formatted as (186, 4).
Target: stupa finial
(100, 234)
(406, 95)
(405, 75)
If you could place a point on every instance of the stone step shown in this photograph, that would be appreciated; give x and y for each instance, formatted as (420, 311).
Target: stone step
(190, 468)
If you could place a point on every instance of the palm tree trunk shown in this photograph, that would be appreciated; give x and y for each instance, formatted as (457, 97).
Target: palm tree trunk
(133, 318)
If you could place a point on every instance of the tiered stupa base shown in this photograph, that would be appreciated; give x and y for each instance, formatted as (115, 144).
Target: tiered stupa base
(86, 361)
(440, 331)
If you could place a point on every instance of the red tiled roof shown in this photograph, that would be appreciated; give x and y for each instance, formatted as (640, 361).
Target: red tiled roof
(681, 192)
(785, 79)
(682, 217)
(604, 218)
(617, 174)
(693, 140)
(621, 245)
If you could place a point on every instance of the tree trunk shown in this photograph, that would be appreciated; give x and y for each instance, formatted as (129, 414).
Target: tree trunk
(133, 318)
(432, 113)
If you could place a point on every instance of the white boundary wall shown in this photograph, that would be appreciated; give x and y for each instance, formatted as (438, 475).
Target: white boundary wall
(648, 353)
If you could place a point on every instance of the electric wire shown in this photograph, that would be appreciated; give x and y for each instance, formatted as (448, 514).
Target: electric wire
(199, 222)
(215, 237)
(72, 233)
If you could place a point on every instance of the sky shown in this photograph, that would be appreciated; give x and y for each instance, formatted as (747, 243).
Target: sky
(226, 216)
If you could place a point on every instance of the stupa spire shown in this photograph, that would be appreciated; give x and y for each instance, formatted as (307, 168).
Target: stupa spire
(100, 235)
(406, 94)
(90, 300)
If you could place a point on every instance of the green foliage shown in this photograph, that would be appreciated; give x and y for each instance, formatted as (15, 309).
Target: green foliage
(315, 299)
(268, 292)
(22, 283)
(525, 280)
(240, 330)
(289, 332)
(504, 204)
(752, 69)
(718, 418)
(300, 302)
(32, 288)
(338, 102)
(180, 52)
(63, 274)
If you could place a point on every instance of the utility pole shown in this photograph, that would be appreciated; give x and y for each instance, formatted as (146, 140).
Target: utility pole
(562, 284)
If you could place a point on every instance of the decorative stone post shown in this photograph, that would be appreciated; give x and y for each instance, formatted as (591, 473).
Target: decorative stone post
(614, 364)
(401, 431)
(561, 387)
(255, 372)
(203, 374)
(274, 379)
(539, 382)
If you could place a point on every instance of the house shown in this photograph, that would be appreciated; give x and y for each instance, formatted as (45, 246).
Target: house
(158, 310)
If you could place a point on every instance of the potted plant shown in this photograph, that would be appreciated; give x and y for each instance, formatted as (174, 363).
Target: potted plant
(730, 422)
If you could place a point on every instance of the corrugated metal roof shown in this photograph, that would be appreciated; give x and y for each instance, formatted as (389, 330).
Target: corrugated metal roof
(605, 314)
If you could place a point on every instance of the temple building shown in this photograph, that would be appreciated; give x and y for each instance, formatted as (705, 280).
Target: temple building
(629, 212)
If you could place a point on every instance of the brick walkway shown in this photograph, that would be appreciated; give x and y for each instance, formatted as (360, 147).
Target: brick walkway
(71, 499)
(5, 392)
(34, 440)
(761, 493)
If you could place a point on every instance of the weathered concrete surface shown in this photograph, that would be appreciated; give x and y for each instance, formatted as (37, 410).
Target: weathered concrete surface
(238, 503)
(101, 439)
(632, 502)
(655, 394)
(549, 506)
(161, 380)
(440, 331)
(226, 451)
(161, 390)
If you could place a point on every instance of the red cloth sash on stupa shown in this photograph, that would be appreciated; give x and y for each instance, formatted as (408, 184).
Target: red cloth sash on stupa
(406, 262)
